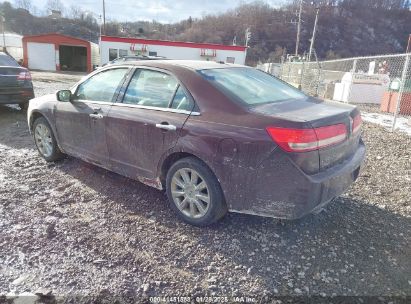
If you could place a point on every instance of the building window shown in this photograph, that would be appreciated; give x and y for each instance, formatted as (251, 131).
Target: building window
(230, 59)
(152, 53)
(122, 53)
(112, 54)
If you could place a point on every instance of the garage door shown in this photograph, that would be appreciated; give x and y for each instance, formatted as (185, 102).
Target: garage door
(41, 56)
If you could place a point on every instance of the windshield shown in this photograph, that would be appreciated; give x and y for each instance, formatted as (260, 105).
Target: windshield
(251, 86)
(7, 61)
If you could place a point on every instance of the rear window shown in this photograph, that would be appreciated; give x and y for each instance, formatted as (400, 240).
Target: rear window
(7, 61)
(251, 86)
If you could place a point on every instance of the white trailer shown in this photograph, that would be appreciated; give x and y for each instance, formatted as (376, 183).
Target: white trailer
(14, 45)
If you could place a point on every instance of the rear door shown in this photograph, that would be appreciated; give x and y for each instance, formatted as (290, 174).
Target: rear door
(81, 123)
(147, 122)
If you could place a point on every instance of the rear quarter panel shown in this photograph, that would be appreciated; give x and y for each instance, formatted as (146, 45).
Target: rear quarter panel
(232, 152)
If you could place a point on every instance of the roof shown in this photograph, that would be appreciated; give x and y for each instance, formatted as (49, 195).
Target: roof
(190, 64)
(61, 36)
(175, 43)
(12, 34)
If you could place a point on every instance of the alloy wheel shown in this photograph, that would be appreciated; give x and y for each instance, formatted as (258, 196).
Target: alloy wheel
(44, 141)
(190, 193)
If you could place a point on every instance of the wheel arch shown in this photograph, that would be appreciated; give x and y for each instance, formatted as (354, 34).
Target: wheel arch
(169, 160)
(174, 156)
(35, 114)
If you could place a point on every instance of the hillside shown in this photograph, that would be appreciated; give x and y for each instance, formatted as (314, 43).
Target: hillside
(346, 28)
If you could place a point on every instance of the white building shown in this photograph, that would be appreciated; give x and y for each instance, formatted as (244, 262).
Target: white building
(14, 45)
(114, 47)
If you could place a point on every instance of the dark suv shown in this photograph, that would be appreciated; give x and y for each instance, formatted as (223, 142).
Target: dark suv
(15, 82)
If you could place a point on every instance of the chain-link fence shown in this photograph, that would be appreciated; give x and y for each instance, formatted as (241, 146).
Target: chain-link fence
(383, 83)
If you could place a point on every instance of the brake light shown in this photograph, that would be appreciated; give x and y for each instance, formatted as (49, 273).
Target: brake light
(356, 124)
(303, 140)
(24, 76)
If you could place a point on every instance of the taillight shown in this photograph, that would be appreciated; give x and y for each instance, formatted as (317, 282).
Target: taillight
(24, 76)
(356, 124)
(303, 140)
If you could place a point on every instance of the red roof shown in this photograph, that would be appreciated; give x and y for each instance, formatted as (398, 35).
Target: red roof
(175, 43)
(54, 36)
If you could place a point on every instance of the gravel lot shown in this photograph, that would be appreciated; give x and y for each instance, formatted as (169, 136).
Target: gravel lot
(71, 228)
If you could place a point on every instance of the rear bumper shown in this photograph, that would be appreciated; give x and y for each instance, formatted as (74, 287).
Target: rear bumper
(16, 96)
(284, 191)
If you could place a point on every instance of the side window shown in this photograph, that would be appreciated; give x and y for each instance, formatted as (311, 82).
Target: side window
(101, 87)
(150, 88)
(181, 101)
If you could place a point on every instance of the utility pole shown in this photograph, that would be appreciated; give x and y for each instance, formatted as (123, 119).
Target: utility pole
(247, 36)
(100, 24)
(3, 22)
(104, 17)
(314, 32)
(297, 44)
(247, 39)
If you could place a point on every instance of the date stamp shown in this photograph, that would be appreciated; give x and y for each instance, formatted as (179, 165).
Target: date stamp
(202, 299)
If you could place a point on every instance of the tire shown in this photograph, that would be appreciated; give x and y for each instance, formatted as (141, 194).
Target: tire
(52, 152)
(192, 206)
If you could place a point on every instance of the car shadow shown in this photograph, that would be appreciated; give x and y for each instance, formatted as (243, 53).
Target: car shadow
(351, 248)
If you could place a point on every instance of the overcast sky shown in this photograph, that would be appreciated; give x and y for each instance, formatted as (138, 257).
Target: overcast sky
(159, 10)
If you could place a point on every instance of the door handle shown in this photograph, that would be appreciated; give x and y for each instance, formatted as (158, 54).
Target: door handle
(96, 116)
(166, 127)
(96, 109)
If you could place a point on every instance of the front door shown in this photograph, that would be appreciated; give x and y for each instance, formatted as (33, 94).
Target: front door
(147, 122)
(81, 123)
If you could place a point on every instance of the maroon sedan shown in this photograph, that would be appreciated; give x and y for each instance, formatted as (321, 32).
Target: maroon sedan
(216, 137)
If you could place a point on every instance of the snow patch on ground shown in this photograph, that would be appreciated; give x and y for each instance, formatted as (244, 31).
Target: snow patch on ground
(402, 124)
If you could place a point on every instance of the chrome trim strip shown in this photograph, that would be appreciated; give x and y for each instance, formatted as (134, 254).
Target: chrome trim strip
(125, 105)
(107, 103)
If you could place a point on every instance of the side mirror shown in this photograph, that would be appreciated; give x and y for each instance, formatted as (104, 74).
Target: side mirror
(64, 95)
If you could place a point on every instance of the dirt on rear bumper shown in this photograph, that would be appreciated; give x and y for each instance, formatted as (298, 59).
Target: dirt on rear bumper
(284, 191)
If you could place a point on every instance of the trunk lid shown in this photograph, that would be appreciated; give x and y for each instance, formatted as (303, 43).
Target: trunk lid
(318, 114)
(8, 76)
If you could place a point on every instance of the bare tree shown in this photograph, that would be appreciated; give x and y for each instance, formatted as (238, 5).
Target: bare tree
(76, 12)
(55, 5)
(25, 4)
